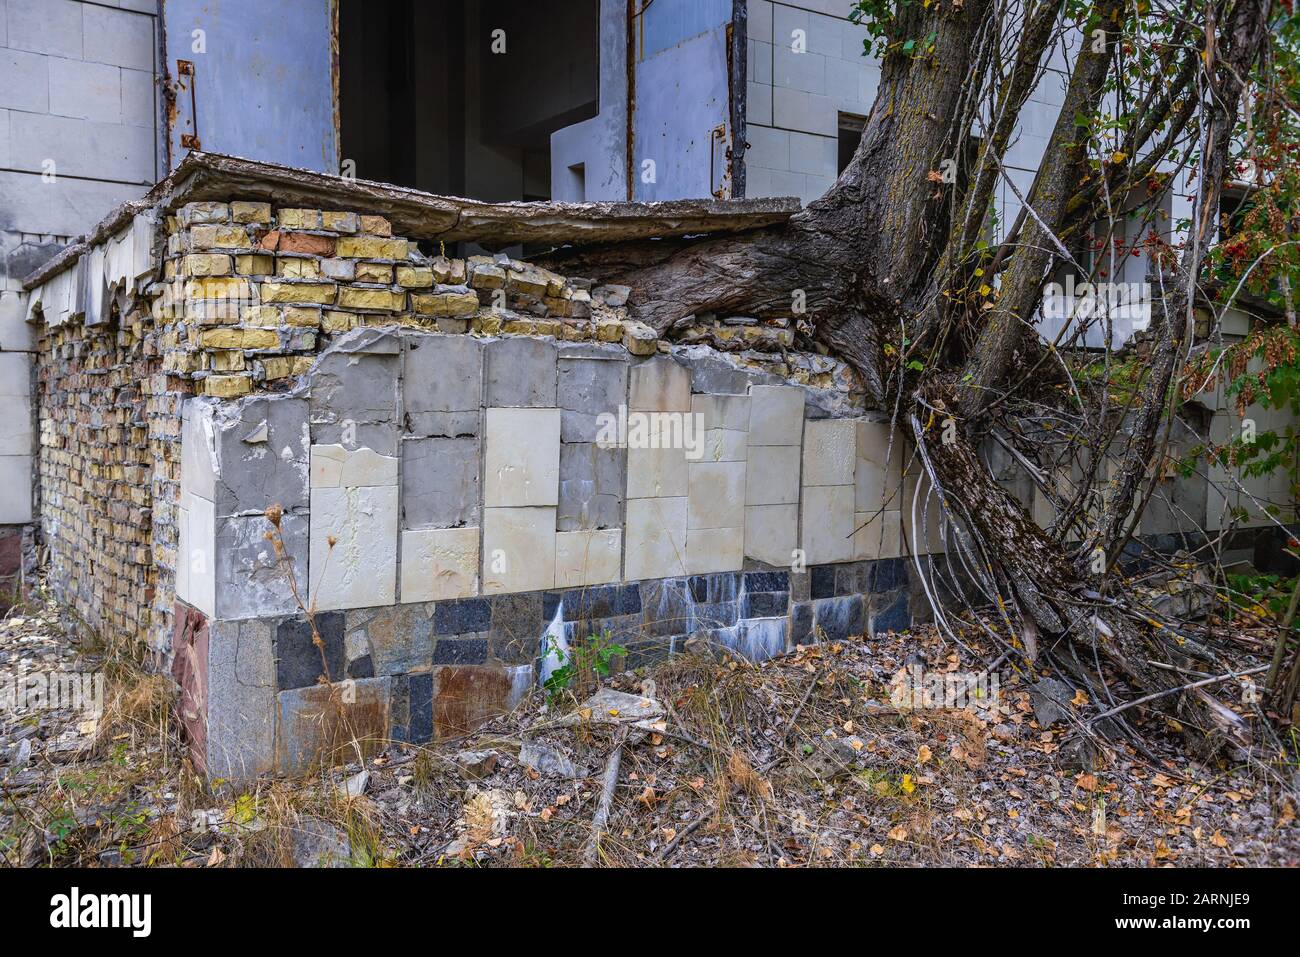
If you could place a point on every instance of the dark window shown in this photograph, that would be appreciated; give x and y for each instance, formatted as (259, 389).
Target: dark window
(850, 137)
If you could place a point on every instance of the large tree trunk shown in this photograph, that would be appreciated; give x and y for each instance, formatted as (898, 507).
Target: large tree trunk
(886, 261)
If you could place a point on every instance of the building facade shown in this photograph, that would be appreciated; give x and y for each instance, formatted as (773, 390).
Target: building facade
(574, 100)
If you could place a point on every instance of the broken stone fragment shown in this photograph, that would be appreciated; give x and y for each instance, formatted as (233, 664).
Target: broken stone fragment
(611, 295)
(546, 759)
(639, 339)
(477, 764)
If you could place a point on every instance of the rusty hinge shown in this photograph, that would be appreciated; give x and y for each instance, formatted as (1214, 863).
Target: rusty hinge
(719, 135)
(190, 140)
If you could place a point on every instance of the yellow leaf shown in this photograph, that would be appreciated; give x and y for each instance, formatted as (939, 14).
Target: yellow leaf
(908, 784)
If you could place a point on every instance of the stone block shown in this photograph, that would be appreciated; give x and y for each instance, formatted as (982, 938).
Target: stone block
(877, 472)
(827, 518)
(333, 466)
(829, 451)
(401, 639)
(298, 662)
(256, 454)
(772, 475)
(439, 563)
(716, 494)
(469, 616)
(771, 533)
(518, 549)
(588, 389)
(592, 484)
(467, 695)
(522, 458)
(723, 412)
(440, 483)
(520, 373)
(659, 384)
(726, 445)
(656, 472)
(890, 614)
(441, 375)
(241, 705)
(655, 538)
(588, 557)
(715, 549)
(360, 570)
(328, 724)
(776, 415)
(196, 572)
(877, 535)
(354, 399)
(16, 426)
(517, 625)
(251, 581)
(838, 619)
(460, 651)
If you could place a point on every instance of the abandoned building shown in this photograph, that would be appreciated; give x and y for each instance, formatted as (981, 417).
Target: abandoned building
(249, 387)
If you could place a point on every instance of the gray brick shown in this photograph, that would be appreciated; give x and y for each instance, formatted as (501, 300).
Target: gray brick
(24, 81)
(138, 98)
(88, 91)
(354, 395)
(587, 389)
(81, 148)
(241, 699)
(66, 207)
(119, 37)
(440, 482)
(520, 373)
(442, 384)
(592, 485)
(45, 26)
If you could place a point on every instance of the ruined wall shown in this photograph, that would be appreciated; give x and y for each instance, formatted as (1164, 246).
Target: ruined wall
(431, 428)
(474, 461)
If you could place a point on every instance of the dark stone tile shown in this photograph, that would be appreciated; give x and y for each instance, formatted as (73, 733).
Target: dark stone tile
(716, 615)
(464, 616)
(399, 708)
(594, 601)
(800, 586)
(769, 604)
(767, 581)
(894, 616)
(853, 578)
(886, 575)
(619, 629)
(823, 581)
(715, 588)
(420, 726)
(550, 605)
(460, 651)
(839, 618)
(801, 622)
(517, 626)
(464, 696)
(298, 661)
(667, 607)
(643, 652)
(362, 667)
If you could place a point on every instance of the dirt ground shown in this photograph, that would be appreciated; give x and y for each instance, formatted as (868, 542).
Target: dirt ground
(800, 761)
